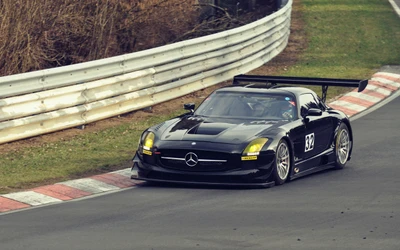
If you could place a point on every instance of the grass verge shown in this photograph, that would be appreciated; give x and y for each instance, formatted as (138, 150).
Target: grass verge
(346, 39)
(82, 155)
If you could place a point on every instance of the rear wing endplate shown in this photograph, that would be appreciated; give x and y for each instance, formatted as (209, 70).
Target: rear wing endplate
(323, 82)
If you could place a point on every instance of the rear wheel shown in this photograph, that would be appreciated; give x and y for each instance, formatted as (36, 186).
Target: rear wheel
(282, 163)
(342, 146)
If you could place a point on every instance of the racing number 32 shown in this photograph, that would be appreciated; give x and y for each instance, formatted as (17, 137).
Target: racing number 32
(309, 142)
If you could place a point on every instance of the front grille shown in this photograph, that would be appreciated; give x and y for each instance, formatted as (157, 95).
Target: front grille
(205, 160)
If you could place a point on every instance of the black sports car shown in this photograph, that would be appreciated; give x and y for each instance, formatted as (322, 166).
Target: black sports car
(254, 134)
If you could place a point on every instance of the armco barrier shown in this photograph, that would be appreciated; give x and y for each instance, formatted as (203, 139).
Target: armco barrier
(50, 100)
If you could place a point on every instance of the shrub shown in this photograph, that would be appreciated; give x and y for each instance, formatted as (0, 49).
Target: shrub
(38, 34)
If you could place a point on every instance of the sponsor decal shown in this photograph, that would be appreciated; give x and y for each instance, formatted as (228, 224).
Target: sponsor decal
(249, 158)
(147, 152)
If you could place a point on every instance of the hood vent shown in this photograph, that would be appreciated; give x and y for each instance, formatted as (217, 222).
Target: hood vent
(159, 126)
(209, 128)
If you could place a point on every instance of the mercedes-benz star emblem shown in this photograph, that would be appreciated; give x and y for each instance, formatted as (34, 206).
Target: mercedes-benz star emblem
(191, 159)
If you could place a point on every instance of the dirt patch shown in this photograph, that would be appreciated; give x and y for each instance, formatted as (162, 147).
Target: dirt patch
(297, 43)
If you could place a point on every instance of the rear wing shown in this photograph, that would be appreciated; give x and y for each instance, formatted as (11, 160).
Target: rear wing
(272, 81)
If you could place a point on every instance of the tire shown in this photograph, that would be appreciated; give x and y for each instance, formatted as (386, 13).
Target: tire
(282, 163)
(343, 145)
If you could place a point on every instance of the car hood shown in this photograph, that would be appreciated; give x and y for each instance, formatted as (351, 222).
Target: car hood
(217, 130)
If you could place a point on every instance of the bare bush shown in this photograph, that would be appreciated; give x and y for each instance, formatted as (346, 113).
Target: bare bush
(162, 21)
(38, 34)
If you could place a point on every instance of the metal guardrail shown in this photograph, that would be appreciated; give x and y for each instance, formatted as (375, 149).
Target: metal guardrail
(49, 100)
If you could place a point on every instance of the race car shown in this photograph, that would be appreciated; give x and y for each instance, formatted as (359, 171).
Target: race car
(260, 133)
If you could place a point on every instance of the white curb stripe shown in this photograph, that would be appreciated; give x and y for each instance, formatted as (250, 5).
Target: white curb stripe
(349, 105)
(365, 97)
(125, 172)
(32, 198)
(397, 76)
(90, 185)
(379, 90)
(386, 81)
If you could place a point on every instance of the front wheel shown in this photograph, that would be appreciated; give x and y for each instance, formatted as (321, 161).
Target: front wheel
(282, 163)
(342, 146)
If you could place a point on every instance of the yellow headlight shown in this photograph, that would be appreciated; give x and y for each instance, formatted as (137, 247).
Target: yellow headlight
(148, 141)
(255, 146)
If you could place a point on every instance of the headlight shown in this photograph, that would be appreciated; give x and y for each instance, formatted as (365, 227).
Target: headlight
(255, 146)
(148, 141)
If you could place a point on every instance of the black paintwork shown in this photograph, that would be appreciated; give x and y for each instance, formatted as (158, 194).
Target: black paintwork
(224, 139)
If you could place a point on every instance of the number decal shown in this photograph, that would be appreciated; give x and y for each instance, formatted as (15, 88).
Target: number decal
(309, 142)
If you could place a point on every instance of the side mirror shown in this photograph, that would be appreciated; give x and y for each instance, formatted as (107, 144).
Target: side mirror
(189, 106)
(314, 112)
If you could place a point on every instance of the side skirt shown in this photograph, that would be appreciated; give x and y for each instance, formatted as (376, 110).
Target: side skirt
(323, 161)
(312, 171)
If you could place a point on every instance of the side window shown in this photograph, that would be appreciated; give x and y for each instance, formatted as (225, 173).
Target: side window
(308, 101)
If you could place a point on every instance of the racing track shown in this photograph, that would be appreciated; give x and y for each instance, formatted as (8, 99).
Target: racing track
(353, 208)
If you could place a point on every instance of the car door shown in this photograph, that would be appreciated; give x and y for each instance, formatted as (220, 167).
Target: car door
(317, 128)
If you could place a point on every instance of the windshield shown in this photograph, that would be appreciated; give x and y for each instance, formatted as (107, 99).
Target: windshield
(249, 106)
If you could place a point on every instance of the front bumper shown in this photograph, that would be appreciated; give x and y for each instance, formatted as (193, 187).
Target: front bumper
(255, 177)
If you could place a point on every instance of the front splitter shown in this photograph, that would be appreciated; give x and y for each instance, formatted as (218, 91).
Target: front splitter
(221, 184)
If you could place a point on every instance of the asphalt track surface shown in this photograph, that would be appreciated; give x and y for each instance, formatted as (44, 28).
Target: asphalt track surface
(353, 208)
(396, 6)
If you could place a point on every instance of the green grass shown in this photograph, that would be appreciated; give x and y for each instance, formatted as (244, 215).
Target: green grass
(62, 160)
(347, 39)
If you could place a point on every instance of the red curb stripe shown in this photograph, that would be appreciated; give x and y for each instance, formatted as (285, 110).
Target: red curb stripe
(347, 111)
(391, 78)
(42, 190)
(357, 101)
(8, 204)
(374, 94)
(383, 85)
(61, 192)
(47, 191)
(115, 180)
